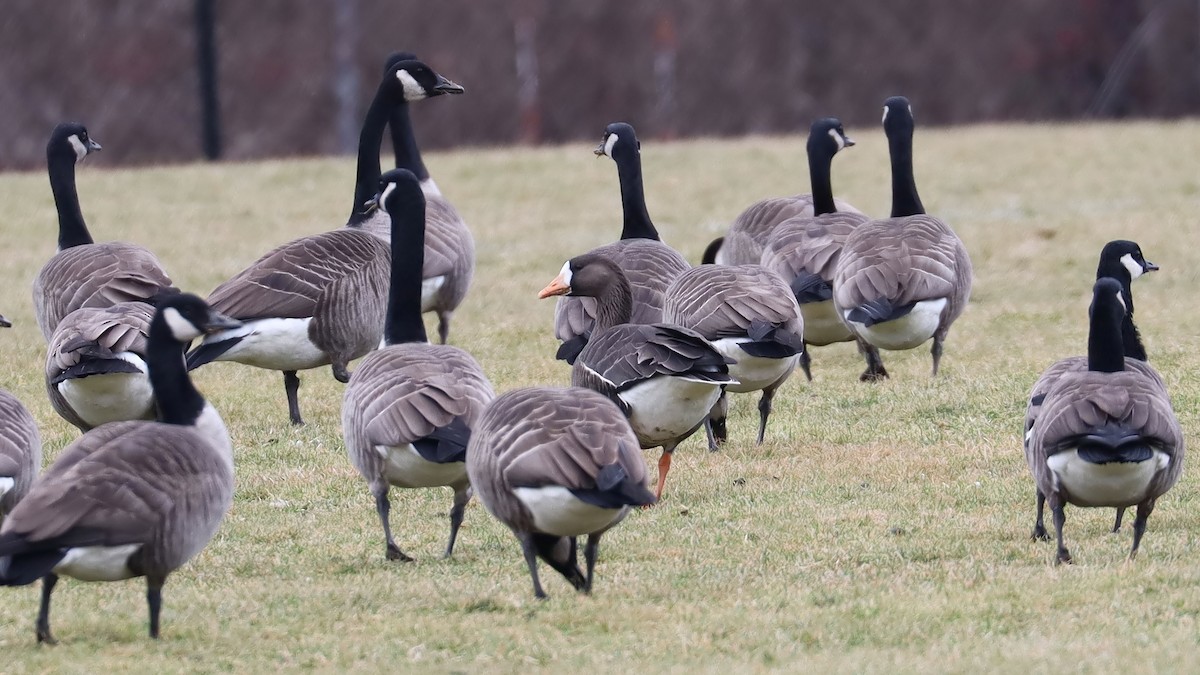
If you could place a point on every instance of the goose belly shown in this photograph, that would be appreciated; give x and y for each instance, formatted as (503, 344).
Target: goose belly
(665, 408)
(97, 563)
(752, 372)
(555, 510)
(404, 467)
(1112, 484)
(908, 331)
(99, 399)
(275, 344)
(429, 291)
(822, 325)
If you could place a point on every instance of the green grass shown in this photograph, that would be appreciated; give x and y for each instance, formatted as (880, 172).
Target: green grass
(881, 528)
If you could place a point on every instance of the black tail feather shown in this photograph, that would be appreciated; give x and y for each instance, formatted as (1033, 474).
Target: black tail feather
(446, 444)
(614, 489)
(569, 350)
(1105, 446)
(878, 311)
(207, 352)
(811, 288)
(95, 367)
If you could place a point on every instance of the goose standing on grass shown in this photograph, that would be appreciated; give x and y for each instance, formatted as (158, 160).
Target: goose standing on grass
(1121, 260)
(649, 264)
(83, 273)
(410, 406)
(751, 317)
(664, 378)
(20, 448)
(751, 230)
(804, 250)
(96, 365)
(1106, 436)
(449, 246)
(902, 280)
(320, 299)
(130, 499)
(554, 465)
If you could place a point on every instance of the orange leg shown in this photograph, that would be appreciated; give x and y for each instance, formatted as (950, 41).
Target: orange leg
(664, 466)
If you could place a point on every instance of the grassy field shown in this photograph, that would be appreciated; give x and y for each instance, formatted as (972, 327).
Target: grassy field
(881, 528)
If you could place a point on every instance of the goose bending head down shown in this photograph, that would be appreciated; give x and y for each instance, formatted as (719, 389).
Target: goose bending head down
(84, 273)
(553, 465)
(665, 378)
(410, 406)
(1107, 435)
(130, 499)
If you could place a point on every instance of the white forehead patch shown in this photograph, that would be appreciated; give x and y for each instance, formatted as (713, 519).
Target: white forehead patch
(885, 113)
(181, 328)
(81, 150)
(413, 91)
(565, 273)
(1134, 267)
(609, 143)
(387, 191)
(837, 138)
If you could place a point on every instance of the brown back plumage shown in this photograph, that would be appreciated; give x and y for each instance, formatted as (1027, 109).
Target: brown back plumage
(751, 230)
(721, 301)
(1074, 364)
(20, 450)
(809, 244)
(95, 275)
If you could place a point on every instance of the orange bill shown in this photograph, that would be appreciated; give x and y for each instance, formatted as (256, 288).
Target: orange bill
(556, 287)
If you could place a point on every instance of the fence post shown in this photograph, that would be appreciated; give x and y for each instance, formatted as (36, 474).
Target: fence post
(206, 66)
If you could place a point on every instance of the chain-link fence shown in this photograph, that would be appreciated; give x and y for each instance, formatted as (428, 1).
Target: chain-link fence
(293, 78)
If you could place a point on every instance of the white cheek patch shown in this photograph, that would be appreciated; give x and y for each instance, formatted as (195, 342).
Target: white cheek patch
(181, 328)
(837, 138)
(885, 114)
(387, 191)
(609, 143)
(1134, 267)
(413, 91)
(81, 150)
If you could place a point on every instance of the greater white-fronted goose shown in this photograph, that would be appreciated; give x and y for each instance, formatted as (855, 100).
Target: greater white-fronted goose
(750, 316)
(902, 280)
(320, 299)
(1106, 436)
(96, 365)
(449, 246)
(665, 378)
(804, 250)
(553, 465)
(84, 273)
(410, 406)
(20, 448)
(1121, 260)
(648, 263)
(130, 499)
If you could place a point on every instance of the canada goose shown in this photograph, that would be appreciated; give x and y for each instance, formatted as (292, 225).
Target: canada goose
(20, 448)
(902, 280)
(130, 499)
(320, 299)
(804, 250)
(1121, 260)
(1106, 436)
(555, 464)
(649, 264)
(665, 378)
(83, 273)
(751, 230)
(410, 406)
(96, 365)
(750, 316)
(449, 246)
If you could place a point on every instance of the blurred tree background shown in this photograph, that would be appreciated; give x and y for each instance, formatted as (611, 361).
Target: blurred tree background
(294, 78)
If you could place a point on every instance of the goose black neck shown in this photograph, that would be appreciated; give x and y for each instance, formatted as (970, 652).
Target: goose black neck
(72, 231)
(1105, 352)
(369, 139)
(637, 224)
(820, 161)
(404, 323)
(408, 155)
(614, 305)
(1131, 338)
(179, 402)
(905, 200)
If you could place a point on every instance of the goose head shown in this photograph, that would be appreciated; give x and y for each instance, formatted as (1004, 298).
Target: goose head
(619, 138)
(828, 137)
(1123, 260)
(188, 317)
(70, 140)
(396, 187)
(898, 116)
(414, 81)
(588, 275)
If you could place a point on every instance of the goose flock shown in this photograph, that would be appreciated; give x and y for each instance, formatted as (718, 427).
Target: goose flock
(655, 347)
